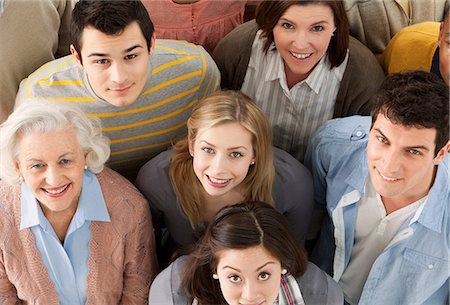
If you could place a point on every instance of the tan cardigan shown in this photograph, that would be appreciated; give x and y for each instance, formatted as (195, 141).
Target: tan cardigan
(121, 263)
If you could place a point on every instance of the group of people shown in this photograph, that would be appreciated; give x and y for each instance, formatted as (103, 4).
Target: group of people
(284, 168)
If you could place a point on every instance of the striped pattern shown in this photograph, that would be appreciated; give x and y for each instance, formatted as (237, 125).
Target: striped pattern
(181, 74)
(295, 114)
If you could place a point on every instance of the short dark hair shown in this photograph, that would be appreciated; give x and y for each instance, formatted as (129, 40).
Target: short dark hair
(240, 226)
(416, 99)
(110, 17)
(269, 12)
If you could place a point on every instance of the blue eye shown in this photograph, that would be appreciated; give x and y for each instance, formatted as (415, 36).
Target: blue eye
(235, 154)
(382, 139)
(208, 150)
(37, 166)
(65, 162)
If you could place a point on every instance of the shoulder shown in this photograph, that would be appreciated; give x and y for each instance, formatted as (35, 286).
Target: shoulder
(62, 67)
(343, 130)
(288, 168)
(120, 194)
(153, 179)
(239, 40)
(178, 49)
(166, 288)
(319, 288)
(9, 203)
(361, 57)
(157, 165)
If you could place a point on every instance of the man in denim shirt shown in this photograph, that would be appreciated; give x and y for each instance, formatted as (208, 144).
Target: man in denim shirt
(384, 183)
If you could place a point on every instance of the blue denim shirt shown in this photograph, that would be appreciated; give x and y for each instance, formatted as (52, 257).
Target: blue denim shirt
(415, 267)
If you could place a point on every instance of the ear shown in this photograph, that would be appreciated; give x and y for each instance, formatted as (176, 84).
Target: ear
(191, 147)
(76, 56)
(152, 44)
(441, 154)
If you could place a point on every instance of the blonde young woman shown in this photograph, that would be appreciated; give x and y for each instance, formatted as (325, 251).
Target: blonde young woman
(226, 158)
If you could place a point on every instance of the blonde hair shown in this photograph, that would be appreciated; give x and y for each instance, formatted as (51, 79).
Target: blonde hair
(46, 117)
(219, 108)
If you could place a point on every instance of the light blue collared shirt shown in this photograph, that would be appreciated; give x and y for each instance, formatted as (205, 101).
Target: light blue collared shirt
(67, 265)
(415, 267)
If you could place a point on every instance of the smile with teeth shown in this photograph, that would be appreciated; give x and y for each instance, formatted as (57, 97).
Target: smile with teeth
(300, 55)
(217, 181)
(57, 190)
(387, 178)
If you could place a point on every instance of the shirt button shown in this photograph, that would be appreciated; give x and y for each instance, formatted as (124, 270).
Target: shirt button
(430, 266)
(359, 133)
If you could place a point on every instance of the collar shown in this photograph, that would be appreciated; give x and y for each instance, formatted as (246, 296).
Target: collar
(91, 205)
(435, 64)
(432, 213)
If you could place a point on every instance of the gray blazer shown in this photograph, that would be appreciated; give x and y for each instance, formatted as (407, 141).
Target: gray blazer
(316, 286)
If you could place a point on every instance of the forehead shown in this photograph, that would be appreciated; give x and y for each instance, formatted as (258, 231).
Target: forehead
(225, 132)
(93, 39)
(308, 13)
(46, 144)
(244, 259)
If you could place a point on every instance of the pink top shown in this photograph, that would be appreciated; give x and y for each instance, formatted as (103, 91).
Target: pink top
(204, 22)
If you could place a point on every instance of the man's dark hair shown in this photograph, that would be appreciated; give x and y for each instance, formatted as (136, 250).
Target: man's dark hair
(415, 99)
(109, 17)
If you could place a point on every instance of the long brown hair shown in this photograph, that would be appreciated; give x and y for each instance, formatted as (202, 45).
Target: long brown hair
(269, 12)
(215, 109)
(240, 226)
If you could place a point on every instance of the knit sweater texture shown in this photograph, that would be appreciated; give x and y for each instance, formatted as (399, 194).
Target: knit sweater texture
(121, 264)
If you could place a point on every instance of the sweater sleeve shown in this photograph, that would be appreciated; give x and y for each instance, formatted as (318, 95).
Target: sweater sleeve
(232, 55)
(8, 293)
(362, 79)
(140, 265)
(293, 192)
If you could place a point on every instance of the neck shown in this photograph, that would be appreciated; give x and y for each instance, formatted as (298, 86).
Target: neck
(214, 203)
(59, 220)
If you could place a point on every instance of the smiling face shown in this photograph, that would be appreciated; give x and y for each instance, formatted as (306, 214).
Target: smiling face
(401, 161)
(222, 156)
(248, 276)
(302, 36)
(116, 65)
(52, 165)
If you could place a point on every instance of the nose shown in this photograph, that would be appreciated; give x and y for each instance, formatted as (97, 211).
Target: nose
(118, 73)
(53, 176)
(301, 40)
(250, 293)
(391, 161)
(218, 164)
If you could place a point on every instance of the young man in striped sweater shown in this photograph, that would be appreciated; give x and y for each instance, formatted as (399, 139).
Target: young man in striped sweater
(142, 89)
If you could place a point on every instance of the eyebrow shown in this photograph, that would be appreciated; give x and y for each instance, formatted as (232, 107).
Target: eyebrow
(423, 147)
(231, 148)
(257, 269)
(106, 54)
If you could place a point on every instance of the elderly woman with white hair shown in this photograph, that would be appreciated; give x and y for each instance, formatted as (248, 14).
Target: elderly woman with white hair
(71, 230)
